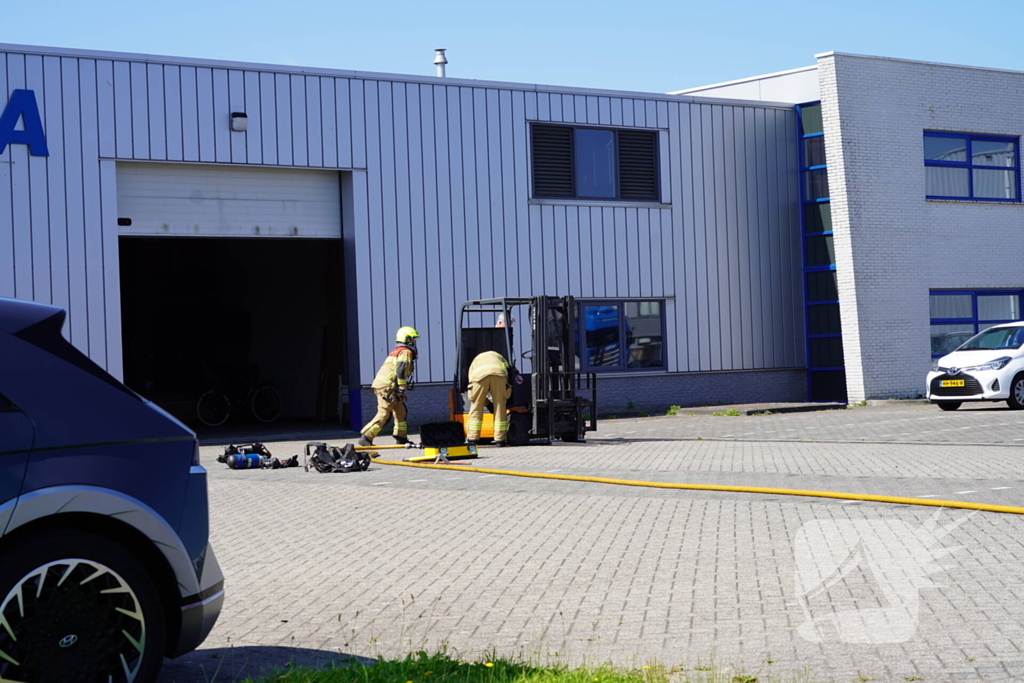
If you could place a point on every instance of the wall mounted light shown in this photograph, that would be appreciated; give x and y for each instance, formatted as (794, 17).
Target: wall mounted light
(239, 121)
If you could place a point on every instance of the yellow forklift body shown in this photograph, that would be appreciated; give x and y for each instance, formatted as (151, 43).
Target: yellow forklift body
(486, 429)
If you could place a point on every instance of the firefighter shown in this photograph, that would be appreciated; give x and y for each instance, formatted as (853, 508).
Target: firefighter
(390, 385)
(488, 374)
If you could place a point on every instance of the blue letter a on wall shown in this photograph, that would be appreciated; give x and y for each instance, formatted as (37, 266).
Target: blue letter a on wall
(23, 106)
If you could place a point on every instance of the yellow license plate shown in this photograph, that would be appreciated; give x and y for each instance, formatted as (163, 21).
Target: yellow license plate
(951, 383)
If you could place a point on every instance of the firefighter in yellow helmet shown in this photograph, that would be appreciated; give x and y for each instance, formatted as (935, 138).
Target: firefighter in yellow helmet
(488, 374)
(390, 385)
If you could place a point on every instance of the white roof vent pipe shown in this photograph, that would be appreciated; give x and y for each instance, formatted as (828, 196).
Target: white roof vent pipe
(439, 61)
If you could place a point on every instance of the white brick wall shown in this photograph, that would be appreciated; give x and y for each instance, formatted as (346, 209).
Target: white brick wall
(891, 244)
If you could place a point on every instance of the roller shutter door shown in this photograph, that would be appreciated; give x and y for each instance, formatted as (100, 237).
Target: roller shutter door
(197, 200)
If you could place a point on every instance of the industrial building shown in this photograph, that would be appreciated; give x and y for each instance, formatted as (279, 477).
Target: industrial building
(202, 220)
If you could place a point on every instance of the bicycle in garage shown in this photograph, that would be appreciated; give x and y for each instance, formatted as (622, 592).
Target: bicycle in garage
(262, 401)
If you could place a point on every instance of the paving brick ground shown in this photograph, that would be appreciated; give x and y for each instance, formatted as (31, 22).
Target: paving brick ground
(399, 559)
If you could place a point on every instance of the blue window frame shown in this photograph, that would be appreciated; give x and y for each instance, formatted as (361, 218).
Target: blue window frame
(983, 168)
(826, 371)
(959, 314)
(619, 335)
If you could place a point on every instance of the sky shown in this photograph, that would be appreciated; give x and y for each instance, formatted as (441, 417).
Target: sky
(638, 45)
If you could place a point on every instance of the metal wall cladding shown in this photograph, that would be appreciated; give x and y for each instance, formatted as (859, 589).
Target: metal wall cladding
(438, 204)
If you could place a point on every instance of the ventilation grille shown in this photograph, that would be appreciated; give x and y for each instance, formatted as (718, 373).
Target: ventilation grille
(638, 177)
(552, 161)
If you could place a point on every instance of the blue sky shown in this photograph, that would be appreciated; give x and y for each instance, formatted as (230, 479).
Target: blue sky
(646, 45)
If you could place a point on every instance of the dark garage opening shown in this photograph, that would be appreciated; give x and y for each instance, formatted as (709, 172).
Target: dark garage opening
(229, 314)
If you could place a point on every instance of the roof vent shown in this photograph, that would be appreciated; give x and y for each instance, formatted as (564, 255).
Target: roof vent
(439, 61)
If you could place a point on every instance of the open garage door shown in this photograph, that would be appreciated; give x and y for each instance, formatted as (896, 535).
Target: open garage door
(197, 200)
(231, 278)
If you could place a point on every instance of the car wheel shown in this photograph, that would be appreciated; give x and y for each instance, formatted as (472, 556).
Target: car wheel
(1016, 399)
(518, 429)
(78, 607)
(950, 405)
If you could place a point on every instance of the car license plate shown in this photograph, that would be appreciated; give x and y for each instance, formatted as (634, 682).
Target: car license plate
(951, 383)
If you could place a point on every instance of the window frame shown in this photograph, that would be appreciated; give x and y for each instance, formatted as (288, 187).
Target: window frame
(658, 199)
(970, 166)
(624, 363)
(973, 320)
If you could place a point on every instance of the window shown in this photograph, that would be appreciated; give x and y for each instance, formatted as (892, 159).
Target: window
(594, 163)
(826, 376)
(958, 315)
(978, 167)
(621, 335)
(6, 406)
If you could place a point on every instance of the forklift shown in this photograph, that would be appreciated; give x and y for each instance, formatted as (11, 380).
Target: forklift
(550, 400)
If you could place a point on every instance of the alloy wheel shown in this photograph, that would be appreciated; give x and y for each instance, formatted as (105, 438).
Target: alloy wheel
(71, 620)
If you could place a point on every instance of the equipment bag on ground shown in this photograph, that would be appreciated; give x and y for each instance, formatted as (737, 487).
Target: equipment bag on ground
(324, 458)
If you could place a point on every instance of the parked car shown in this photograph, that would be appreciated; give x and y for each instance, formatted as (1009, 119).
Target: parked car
(105, 566)
(949, 342)
(987, 367)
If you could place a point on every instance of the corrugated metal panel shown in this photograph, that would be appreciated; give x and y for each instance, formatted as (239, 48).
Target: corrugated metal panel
(53, 120)
(254, 137)
(155, 107)
(172, 104)
(299, 130)
(236, 102)
(80, 123)
(447, 188)
(189, 113)
(227, 201)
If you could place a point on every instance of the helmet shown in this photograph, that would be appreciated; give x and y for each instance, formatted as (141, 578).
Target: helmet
(406, 335)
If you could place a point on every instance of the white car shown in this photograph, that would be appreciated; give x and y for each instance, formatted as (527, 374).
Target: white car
(987, 367)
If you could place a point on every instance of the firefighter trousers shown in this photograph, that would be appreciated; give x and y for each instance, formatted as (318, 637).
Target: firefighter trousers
(388, 404)
(497, 387)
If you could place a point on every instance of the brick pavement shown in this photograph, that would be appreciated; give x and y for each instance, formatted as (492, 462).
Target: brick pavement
(398, 559)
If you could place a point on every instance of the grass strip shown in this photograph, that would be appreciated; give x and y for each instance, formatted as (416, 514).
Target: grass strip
(441, 668)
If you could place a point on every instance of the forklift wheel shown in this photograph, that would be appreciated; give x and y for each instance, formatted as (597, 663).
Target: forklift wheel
(518, 429)
(570, 437)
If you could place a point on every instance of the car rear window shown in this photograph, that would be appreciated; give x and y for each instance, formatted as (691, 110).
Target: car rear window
(46, 335)
(6, 406)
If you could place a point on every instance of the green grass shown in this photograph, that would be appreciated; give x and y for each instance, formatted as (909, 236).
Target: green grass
(673, 410)
(732, 412)
(442, 668)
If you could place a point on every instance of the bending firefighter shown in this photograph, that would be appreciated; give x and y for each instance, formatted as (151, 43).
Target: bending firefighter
(390, 385)
(488, 374)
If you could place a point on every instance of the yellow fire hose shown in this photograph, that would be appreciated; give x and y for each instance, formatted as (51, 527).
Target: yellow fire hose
(899, 500)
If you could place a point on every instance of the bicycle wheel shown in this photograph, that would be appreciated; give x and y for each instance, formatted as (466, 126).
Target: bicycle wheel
(266, 404)
(213, 408)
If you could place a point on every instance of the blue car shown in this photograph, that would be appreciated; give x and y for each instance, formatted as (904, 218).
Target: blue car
(105, 563)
